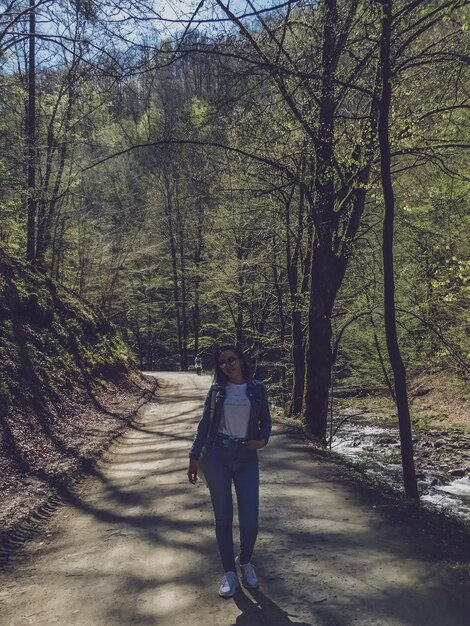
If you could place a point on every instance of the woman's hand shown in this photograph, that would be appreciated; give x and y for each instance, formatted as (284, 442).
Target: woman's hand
(193, 470)
(255, 444)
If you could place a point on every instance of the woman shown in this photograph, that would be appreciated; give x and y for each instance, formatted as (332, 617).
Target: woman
(235, 424)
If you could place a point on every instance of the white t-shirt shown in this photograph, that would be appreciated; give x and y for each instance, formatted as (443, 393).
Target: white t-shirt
(236, 413)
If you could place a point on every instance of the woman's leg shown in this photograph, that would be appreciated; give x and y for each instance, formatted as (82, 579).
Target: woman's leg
(219, 480)
(246, 480)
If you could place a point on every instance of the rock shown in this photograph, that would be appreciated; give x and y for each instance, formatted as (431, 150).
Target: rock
(421, 392)
(458, 473)
(439, 443)
(386, 440)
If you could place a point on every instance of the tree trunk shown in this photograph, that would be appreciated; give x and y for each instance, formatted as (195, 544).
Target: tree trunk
(319, 349)
(184, 316)
(327, 273)
(197, 279)
(298, 362)
(398, 367)
(58, 251)
(282, 325)
(241, 294)
(176, 290)
(49, 204)
(47, 215)
(293, 247)
(298, 334)
(31, 135)
(335, 230)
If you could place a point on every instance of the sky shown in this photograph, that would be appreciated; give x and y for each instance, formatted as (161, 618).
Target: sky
(166, 17)
(176, 13)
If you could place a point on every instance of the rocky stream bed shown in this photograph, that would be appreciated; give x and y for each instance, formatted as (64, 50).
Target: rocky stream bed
(442, 458)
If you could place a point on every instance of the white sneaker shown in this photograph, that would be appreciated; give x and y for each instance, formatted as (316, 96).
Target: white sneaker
(229, 585)
(249, 579)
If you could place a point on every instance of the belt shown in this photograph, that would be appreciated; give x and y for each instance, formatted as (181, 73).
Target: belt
(230, 440)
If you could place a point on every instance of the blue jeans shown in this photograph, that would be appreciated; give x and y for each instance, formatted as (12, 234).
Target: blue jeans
(222, 465)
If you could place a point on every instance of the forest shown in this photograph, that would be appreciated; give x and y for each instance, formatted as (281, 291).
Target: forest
(290, 176)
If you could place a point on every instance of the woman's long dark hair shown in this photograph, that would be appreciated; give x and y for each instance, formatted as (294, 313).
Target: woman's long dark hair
(219, 376)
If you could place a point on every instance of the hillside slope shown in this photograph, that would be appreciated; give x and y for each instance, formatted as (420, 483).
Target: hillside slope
(67, 386)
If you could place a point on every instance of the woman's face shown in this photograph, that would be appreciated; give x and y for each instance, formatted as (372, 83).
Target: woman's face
(231, 366)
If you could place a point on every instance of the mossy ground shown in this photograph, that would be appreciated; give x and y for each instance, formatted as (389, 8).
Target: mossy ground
(437, 400)
(50, 341)
(67, 386)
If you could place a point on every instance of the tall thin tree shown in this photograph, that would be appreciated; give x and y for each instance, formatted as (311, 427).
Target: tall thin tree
(398, 367)
(31, 135)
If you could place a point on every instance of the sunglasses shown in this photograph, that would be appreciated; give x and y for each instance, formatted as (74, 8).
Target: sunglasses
(230, 361)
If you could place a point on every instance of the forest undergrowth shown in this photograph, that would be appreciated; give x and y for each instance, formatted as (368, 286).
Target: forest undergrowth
(437, 400)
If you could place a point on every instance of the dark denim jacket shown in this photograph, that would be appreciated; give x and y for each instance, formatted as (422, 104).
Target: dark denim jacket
(259, 424)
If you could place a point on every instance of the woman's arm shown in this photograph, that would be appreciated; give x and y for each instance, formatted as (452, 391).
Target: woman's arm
(193, 470)
(265, 417)
(202, 429)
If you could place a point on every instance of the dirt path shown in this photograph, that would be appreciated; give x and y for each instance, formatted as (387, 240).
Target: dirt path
(139, 547)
